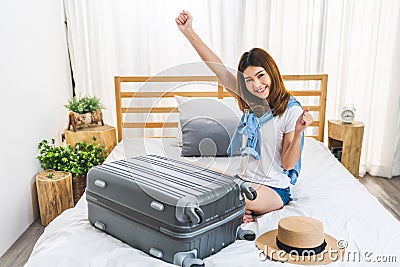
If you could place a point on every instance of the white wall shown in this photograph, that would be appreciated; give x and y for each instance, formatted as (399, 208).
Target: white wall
(34, 86)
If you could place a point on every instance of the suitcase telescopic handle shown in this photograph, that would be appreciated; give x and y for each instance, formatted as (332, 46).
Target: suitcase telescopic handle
(195, 214)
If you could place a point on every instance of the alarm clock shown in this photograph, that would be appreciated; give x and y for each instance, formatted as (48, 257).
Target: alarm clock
(348, 113)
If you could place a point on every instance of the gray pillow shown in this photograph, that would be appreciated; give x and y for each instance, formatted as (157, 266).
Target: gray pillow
(205, 136)
(207, 126)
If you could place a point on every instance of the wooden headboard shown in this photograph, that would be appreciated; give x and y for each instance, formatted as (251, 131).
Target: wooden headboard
(320, 82)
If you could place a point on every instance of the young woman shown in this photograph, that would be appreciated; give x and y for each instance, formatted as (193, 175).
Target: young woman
(259, 88)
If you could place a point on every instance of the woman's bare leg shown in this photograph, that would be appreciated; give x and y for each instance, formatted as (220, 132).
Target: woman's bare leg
(267, 200)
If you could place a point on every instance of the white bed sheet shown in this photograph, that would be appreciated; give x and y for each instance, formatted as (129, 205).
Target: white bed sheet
(325, 190)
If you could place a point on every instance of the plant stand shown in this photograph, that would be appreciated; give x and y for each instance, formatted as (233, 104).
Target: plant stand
(54, 194)
(105, 136)
(78, 187)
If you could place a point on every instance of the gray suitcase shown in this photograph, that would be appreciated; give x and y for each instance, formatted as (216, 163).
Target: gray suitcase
(175, 211)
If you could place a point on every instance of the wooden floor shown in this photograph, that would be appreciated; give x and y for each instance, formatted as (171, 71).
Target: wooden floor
(387, 191)
(19, 252)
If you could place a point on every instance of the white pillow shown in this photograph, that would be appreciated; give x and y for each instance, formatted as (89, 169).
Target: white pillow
(190, 107)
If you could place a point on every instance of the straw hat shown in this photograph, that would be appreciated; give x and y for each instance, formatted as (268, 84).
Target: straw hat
(300, 240)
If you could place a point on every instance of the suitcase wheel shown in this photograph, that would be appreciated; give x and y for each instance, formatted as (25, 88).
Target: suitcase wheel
(249, 191)
(248, 235)
(195, 214)
(192, 262)
(252, 194)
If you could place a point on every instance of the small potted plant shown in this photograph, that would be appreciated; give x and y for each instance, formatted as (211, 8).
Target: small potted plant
(76, 160)
(84, 112)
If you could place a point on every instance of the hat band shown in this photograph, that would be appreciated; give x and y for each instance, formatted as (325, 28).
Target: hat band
(290, 249)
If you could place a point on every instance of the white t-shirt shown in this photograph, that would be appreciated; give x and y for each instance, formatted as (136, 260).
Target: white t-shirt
(268, 169)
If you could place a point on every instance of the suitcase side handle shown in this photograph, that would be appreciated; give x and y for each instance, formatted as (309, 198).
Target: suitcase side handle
(100, 183)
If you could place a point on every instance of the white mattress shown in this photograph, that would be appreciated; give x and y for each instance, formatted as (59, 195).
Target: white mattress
(325, 190)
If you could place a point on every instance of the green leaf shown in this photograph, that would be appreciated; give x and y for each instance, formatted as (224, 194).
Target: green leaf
(76, 160)
(84, 105)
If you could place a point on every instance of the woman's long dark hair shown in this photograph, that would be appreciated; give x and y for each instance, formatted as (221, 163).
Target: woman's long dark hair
(278, 95)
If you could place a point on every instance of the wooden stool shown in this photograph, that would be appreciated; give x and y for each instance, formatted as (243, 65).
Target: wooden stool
(54, 194)
(105, 136)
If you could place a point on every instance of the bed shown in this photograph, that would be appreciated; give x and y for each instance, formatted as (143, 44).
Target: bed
(325, 189)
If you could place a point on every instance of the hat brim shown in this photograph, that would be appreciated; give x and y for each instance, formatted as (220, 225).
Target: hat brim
(267, 243)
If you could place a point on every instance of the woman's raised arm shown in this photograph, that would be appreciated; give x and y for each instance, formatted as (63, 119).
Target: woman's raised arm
(227, 79)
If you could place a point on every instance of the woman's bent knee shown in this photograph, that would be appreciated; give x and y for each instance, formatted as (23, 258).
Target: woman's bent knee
(267, 200)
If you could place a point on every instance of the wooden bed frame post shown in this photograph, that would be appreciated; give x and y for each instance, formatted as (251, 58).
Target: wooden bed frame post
(118, 104)
(322, 103)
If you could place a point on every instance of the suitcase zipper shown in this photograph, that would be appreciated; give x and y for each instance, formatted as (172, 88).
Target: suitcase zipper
(127, 212)
(203, 230)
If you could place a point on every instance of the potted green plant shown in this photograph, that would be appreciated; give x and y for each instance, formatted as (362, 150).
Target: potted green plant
(84, 112)
(76, 160)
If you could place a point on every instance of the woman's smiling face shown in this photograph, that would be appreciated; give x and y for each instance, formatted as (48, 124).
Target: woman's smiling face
(257, 81)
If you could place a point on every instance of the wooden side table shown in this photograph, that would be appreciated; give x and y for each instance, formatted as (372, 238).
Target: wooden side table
(105, 136)
(348, 137)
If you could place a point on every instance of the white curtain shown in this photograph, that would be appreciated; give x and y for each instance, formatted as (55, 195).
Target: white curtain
(362, 60)
(353, 41)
